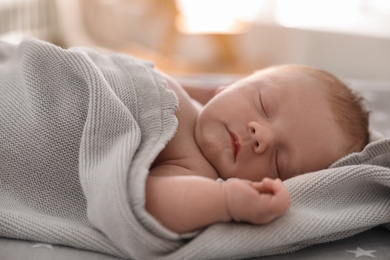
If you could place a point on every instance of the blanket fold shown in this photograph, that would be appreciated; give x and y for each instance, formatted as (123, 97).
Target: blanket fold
(78, 133)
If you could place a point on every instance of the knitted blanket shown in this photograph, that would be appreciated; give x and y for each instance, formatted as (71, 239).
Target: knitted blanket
(78, 133)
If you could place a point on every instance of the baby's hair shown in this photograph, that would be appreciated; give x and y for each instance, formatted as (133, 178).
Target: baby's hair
(348, 108)
(347, 105)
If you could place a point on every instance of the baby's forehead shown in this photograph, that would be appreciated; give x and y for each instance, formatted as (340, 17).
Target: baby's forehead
(279, 79)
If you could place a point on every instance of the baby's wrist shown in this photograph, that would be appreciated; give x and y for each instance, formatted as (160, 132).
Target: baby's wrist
(225, 195)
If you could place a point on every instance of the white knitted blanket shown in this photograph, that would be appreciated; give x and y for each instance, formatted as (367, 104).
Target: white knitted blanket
(78, 133)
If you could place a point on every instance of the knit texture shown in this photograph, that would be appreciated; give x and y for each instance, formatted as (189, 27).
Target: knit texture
(78, 133)
(77, 130)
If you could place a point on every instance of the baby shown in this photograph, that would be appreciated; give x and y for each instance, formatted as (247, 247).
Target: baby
(82, 155)
(273, 125)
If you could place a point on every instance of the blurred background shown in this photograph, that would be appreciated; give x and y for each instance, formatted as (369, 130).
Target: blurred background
(350, 38)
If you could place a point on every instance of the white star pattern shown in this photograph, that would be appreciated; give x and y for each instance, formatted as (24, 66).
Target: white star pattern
(48, 246)
(361, 252)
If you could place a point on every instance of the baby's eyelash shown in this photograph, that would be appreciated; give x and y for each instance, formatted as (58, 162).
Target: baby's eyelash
(262, 105)
(276, 162)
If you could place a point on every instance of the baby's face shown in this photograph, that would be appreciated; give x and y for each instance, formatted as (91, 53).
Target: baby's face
(269, 126)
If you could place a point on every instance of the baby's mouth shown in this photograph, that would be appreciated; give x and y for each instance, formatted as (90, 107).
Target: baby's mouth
(235, 144)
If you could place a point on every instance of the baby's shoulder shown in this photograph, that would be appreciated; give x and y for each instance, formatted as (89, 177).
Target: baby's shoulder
(185, 166)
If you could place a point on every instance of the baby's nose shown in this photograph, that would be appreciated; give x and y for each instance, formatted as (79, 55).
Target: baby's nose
(259, 137)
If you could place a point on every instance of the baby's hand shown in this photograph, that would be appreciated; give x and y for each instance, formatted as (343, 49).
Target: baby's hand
(256, 202)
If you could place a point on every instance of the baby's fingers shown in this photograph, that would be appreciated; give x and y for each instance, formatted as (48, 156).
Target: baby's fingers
(267, 185)
(278, 192)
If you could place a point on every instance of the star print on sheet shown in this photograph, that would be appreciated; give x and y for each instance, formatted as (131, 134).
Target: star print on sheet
(48, 246)
(361, 252)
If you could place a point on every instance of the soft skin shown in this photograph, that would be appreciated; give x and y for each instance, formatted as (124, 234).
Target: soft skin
(258, 130)
(283, 127)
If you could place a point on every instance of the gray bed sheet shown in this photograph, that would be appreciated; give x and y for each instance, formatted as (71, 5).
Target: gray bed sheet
(371, 244)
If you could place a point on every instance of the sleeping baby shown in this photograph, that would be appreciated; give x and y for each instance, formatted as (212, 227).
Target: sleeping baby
(93, 145)
(275, 124)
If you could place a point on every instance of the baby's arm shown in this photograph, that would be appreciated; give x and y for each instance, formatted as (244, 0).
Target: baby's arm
(186, 203)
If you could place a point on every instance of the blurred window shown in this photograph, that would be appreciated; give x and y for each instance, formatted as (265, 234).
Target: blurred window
(367, 17)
